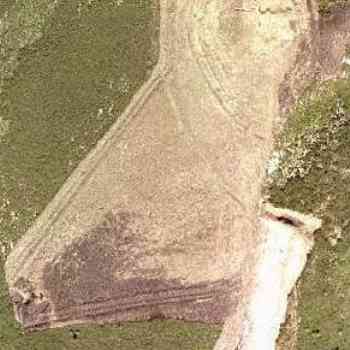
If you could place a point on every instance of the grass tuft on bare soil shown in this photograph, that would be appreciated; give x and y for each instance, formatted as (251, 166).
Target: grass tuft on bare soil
(326, 6)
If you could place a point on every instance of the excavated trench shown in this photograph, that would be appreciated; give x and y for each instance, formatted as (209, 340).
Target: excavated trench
(164, 217)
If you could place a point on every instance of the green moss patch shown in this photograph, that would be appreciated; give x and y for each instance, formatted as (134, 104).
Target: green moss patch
(314, 177)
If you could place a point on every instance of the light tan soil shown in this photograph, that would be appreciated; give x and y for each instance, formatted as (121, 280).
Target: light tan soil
(161, 219)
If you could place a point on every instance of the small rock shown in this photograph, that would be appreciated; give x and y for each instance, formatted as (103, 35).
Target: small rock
(333, 241)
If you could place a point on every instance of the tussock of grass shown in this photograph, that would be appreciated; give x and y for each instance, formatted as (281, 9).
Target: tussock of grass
(5, 6)
(327, 5)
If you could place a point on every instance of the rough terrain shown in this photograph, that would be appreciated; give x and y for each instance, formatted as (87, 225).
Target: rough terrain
(174, 187)
(41, 147)
(186, 163)
(313, 168)
(282, 258)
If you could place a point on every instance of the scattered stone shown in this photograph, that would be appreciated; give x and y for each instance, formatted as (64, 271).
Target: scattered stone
(335, 236)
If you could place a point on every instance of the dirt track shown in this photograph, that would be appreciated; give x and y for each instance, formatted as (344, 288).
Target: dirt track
(167, 205)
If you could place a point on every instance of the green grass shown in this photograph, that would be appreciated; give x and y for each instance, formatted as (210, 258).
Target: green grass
(5, 6)
(67, 73)
(321, 126)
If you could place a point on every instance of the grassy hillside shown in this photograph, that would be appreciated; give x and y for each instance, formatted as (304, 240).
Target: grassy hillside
(67, 72)
(314, 177)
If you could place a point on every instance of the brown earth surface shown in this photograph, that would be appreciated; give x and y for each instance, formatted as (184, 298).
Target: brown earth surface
(161, 219)
(320, 55)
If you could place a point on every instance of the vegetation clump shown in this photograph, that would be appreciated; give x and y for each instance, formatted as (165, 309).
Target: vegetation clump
(326, 6)
(313, 176)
